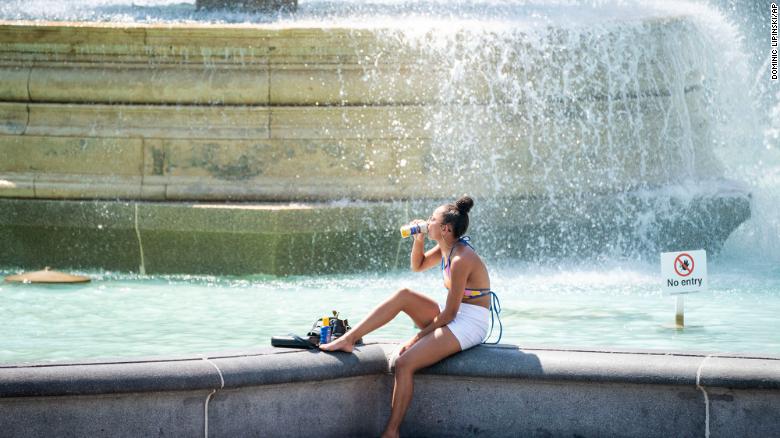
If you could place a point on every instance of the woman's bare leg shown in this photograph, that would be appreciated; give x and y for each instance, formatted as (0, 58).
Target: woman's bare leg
(427, 351)
(420, 308)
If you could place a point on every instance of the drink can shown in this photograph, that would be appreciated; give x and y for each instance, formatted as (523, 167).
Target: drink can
(411, 230)
(325, 331)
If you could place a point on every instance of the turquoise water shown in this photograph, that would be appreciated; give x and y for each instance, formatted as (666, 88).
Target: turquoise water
(576, 306)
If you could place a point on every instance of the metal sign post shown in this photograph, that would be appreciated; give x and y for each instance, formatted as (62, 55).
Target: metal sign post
(679, 317)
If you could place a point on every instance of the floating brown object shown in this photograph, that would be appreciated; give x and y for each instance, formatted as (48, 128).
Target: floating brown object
(47, 276)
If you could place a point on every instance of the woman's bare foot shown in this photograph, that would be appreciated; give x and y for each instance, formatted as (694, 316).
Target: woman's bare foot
(343, 343)
(390, 434)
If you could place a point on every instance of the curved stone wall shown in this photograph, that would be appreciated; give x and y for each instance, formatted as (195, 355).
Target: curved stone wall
(495, 390)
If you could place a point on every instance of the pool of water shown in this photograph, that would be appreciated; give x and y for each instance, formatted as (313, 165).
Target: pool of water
(581, 304)
(602, 305)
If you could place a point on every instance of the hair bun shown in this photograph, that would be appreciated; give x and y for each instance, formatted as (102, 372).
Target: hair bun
(464, 204)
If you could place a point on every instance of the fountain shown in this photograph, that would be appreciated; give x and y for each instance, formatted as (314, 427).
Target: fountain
(160, 138)
(145, 142)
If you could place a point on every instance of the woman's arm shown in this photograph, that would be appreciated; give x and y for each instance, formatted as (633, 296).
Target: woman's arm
(421, 260)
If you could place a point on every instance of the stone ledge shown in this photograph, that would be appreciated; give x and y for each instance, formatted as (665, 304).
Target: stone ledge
(300, 366)
(635, 367)
(182, 373)
(279, 366)
(107, 378)
(741, 373)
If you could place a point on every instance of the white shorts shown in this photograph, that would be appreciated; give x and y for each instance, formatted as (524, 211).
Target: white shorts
(470, 325)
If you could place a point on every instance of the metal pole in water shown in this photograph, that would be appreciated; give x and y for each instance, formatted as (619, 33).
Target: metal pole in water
(679, 317)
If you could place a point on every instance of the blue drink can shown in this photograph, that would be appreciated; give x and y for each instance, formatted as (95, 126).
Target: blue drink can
(325, 335)
(325, 331)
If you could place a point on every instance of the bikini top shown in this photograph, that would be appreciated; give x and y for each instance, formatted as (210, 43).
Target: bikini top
(445, 269)
(495, 305)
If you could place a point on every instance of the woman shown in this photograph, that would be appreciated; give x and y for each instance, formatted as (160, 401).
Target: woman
(460, 324)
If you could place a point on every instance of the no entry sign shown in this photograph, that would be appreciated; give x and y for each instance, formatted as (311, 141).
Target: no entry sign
(684, 271)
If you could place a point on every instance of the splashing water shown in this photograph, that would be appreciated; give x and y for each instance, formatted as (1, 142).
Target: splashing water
(383, 13)
(756, 162)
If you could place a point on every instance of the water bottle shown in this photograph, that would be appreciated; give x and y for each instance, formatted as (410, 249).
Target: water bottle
(411, 230)
(325, 331)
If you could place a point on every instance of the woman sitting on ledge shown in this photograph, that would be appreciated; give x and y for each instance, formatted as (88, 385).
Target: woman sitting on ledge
(459, 325)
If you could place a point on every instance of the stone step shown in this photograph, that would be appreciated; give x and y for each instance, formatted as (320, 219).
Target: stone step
(267, 65)
(324, 153)
(326, 238)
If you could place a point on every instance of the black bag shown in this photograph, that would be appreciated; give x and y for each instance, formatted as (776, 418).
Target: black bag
(312, 340)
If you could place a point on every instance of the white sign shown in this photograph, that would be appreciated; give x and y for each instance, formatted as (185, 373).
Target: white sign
(684, 271)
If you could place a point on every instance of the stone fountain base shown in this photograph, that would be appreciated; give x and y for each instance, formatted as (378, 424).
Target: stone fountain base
(317, 238)
(498, 391)
(193, 112)
(115, 139)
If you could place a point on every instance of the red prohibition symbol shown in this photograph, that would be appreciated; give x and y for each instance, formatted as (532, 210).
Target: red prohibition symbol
(683, 265)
